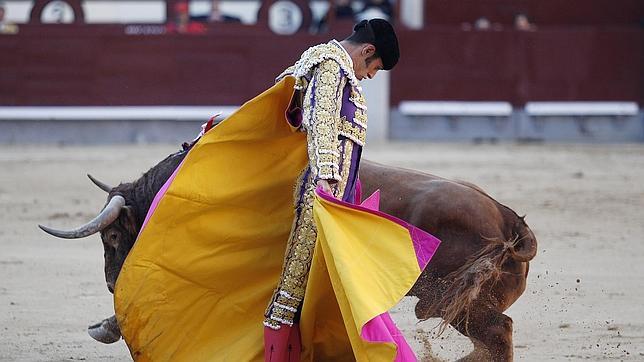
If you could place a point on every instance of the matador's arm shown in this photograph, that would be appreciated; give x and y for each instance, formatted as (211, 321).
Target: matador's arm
(322, 106)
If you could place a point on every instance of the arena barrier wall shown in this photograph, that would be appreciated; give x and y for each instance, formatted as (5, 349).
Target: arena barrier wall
(138, 65)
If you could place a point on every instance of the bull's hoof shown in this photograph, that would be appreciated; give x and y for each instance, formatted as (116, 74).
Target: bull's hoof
(107, 331)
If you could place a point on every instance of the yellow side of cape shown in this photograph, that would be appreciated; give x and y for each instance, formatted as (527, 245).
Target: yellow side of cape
(362, 266)
(198, 279)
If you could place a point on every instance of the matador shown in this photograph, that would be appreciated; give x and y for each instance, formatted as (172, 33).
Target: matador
(330, 107)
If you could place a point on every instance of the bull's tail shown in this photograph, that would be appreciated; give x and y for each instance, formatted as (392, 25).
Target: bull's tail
(482, 268)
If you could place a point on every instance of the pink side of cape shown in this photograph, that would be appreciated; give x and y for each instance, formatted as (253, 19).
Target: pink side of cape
(159, 195)
(382, 328)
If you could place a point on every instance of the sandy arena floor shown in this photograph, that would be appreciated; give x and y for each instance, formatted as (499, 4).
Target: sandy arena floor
(585, 203)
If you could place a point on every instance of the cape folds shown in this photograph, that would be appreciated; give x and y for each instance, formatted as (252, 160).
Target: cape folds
(197, 281)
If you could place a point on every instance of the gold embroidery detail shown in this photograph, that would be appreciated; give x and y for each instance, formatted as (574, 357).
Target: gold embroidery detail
(353, 132)
(357, 98)
(360, 118)
(299, 253)
(346, 168)
(321, 113)
(319, 54)
(287, 302)
(360, 115)
(327, 158)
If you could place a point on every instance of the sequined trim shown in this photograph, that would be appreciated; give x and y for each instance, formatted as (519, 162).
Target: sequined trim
(360, 118)
(353, 132)
(272, 324)
(321, 113)
(286, 307)
(318, 54)
(346, 168)
(285, 294)
(330, 152)
(357, 98)
(329, 164)
(286, 72)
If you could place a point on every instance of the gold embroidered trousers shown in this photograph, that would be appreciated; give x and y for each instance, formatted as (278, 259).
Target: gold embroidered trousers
(289, 294)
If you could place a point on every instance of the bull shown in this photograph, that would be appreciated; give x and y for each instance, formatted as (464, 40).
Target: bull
(477, 273)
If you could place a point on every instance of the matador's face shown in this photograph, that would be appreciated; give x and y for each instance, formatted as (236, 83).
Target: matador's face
(367, 63)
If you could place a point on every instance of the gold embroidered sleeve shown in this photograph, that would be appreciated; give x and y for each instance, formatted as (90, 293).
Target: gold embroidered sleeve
(325, 95)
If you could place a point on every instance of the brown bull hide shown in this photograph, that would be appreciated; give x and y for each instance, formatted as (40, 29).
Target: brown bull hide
(481, 267)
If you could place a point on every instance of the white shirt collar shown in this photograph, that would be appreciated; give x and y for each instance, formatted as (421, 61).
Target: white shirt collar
(345, 51)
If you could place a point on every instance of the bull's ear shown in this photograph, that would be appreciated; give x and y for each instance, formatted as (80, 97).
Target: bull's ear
(130, 225)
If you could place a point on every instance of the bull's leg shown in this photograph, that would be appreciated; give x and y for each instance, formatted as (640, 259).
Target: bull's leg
(480, 352)
(490, 330)
(423, 311)
(423, 307)
(106, 331)
(427, 289)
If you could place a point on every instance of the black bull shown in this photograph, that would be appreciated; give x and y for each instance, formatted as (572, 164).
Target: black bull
(479, 270)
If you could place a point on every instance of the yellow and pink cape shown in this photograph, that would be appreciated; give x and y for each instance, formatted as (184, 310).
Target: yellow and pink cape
(197, 281)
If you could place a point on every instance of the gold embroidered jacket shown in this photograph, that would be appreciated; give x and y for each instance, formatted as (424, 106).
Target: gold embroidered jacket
(332, 106)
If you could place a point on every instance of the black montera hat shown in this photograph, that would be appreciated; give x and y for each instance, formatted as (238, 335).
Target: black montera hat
(384, 39)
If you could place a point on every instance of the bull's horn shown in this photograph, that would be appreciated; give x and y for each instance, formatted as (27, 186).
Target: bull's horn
(106, 217)
(102, 186)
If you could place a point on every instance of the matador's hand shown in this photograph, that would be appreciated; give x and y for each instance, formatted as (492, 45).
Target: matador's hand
(324, 184)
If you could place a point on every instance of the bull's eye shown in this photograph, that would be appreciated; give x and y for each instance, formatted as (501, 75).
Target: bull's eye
(112, 239)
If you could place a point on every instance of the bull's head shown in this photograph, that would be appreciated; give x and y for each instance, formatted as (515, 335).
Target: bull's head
(117, 226)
